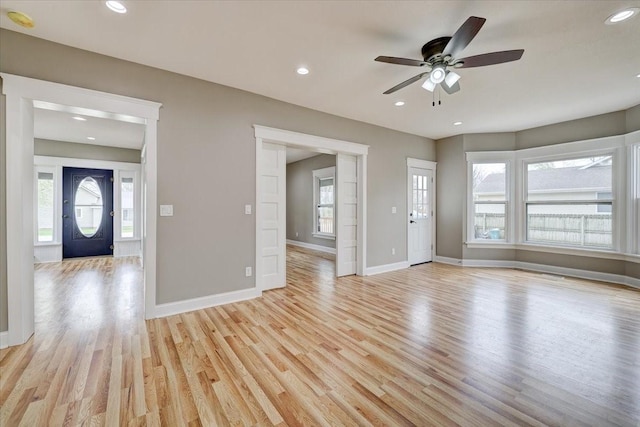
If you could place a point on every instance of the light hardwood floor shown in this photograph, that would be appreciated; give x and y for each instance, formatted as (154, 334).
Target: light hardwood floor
(430, 345)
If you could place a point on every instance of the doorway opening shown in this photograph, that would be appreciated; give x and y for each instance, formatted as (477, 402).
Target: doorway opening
(311, 198)
(23, 97)
(271, 194)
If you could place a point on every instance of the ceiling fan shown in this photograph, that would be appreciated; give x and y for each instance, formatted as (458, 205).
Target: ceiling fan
(440, 55)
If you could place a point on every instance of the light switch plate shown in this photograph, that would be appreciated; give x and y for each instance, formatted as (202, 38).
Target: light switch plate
(393, 210)
(247, 209)
(166, 210)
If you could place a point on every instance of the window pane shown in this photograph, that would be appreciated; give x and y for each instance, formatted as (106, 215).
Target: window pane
(88, 207)
(45, 207)
(574, 224)
(325, 220)
(489, 221)
(573, 179)
(126, 202)
(489, 182)
(326, 191)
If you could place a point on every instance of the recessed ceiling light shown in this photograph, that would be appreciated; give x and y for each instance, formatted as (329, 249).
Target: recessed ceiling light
(21, 19)
(81, 119)
(457, 123)
(623, 15)
(91, 138)
(302, 71)
(638, 76)
(116, 6)
(399, 103)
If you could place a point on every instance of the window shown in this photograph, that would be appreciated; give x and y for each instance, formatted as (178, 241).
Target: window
(127, 206)
(489, 196)
(45, 205)
(570, 202)
(324, 202)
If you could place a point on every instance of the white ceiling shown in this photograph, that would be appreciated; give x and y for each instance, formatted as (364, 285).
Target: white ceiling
(573, 66)
(297, 154)
(60, 126)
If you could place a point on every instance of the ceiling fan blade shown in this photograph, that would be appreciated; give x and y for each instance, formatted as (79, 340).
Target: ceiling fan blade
(491, 58)
(463, 36)
(450, 90)
(401, 61)
(405, 83)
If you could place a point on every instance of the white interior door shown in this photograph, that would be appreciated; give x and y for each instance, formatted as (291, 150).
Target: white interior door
(273, 216)
(347, 211)
(420, 187)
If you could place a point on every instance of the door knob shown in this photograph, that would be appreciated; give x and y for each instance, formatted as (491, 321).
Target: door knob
(412, 222)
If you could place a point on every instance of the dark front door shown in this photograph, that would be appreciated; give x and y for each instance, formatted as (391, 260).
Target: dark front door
(87, 212)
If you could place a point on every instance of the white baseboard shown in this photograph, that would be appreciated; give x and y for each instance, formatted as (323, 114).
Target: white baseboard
(370, 271)
(447, 260)
(543, 268)
(126, 248)
(169, 309)
(311, 246)
(47, 253)
(4, 339)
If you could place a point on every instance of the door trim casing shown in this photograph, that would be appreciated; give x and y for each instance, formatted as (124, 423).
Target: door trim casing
(428, 165)
(21, 93)
(321, 145)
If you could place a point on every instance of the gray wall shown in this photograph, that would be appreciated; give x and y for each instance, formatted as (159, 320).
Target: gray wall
(205, 140)
(451, 187)
(450, 196)
(300, 199)
(47, 147)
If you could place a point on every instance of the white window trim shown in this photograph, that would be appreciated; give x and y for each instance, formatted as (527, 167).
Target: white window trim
(319, 174)
(508, 158)
(625, 187)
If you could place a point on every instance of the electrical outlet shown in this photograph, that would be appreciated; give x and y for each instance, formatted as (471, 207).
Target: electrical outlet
(393, 209)
(296, 234)
(393, 251)
(247, 271)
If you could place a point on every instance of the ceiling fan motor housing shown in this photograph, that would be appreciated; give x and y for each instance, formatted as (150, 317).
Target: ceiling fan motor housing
(431, 50)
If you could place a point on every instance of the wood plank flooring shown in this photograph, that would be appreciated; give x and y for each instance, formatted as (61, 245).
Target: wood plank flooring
(431, 345)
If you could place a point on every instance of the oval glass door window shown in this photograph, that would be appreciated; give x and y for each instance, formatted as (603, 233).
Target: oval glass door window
(88, 207)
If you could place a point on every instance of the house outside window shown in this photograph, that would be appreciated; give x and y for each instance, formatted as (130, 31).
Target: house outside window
(127, 204)
(45, 190)
(324, 202)
(489, 197)
(570, 202)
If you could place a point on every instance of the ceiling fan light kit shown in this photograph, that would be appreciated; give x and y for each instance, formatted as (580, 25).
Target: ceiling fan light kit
(441, 54)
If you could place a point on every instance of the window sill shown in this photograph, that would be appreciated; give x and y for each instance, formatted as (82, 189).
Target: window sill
(127, 239)
(324, 236)
(498, 244)
(563, 250)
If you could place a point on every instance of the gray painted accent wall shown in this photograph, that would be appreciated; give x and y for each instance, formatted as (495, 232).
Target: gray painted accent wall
(206, 140)
(47, 147)
(300, 199)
